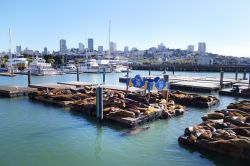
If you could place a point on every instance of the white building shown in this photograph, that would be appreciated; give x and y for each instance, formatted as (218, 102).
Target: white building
(190, 48)
(100, 48)
(91, 45)
(112, 47)
(18, 50)
(63, 46)
(202, 47)
(81, 47)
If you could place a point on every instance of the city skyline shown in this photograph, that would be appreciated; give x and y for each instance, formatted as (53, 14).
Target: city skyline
(222, 25)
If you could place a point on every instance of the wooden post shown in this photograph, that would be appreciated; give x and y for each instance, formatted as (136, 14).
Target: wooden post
(99, 103)
(166, 77)
(127, 81)
(245, 75)
(236, 75)
(29, 77)
(77, 73)
(103, 76)
(221, 79)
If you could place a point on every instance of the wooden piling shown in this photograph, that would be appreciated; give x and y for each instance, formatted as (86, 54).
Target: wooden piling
(221, 79)
(236, 75)
(99, 103)
(29, 77)
(245, 75)
(77, 73)
(127, 81)
(166, 78)
(103, 76)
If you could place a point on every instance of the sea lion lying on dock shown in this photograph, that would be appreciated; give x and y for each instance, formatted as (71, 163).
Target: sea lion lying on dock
(134, 131)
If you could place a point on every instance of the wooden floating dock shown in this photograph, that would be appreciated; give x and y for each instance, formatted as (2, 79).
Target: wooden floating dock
(50, 86)
(196, 84)
(76, 84)
(14, 91)
(7, 74)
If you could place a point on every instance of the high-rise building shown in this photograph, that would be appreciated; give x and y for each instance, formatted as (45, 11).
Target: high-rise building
(161, 47)
(45, 51)
(100, 48)
(91, 45)
(190, 48)
(202, 47)
(18, 50)
(126, 49)
(81, 47)
(112, 47)
(63, 46)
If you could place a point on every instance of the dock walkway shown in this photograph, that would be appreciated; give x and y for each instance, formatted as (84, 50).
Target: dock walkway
(14, 91)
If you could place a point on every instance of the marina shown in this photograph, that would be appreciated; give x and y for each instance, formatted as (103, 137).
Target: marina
(62, 106)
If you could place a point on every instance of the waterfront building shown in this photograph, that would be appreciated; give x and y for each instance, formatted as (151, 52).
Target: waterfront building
(63, 46)
(202, 47)
(81, 47)
(190, 48)
(100, 48)
(91, 45)
(112, 47)
(18, 50)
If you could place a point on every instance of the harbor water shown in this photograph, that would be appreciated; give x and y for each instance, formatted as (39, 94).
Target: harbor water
(32, 133)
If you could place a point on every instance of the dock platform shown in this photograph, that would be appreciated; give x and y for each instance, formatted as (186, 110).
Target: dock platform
(14, 91)
(196, 84)
(77, 84)
(50, 86)
(7, 74)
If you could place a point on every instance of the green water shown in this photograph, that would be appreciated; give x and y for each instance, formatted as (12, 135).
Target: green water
(32, 133)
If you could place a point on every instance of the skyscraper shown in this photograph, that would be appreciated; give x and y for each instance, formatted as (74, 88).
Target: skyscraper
(190, 48)
(81, 47)
(63, 46)
(91, 45)
(18, 50)
(100, 48)
(112, 47)
(45, 51)
(202, 47)
(126, 49)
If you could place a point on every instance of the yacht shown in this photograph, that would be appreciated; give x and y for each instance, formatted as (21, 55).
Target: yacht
(17, 65)
(69, 68)
(91, 66)
(39, 67)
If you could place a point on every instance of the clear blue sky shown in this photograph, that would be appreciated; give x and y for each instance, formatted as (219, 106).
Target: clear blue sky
(223, 24)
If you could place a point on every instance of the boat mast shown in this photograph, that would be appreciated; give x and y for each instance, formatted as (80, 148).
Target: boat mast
(109, 39)
(10, 56)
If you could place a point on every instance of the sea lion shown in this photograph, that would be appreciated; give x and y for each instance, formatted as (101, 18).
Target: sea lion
(134, 131)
